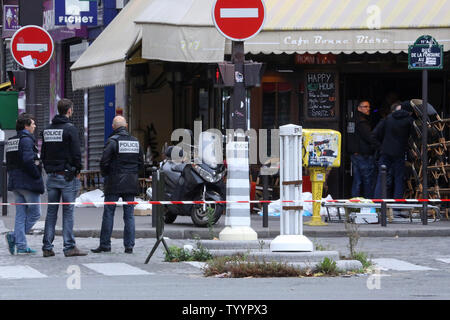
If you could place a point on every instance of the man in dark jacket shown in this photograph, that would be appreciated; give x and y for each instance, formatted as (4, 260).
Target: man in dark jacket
(393, 133)
(25, 181)
(121, 162)
(61, 155)
(362, 148)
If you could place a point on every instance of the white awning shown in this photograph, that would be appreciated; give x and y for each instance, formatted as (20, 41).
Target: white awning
(180, 31)
(103, 63)
(183, 30)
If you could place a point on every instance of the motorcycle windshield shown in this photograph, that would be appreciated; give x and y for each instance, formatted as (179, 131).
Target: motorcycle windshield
(211, 149)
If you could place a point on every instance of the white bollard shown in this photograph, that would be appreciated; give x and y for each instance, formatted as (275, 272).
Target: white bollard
(237, 218)
(291, 236)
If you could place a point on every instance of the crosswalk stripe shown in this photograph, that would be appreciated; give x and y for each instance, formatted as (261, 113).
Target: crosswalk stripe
(196, 264)
(445, 260)
(20, 272)
(116, 269)
(398, 265)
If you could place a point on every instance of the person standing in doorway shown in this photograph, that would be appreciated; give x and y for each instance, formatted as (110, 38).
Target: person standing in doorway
(121, 162)
(362, 148)
(25, 181)
(393, 134)
(61, 156)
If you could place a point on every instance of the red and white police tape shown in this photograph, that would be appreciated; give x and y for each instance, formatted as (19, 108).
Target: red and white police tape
(225, 202)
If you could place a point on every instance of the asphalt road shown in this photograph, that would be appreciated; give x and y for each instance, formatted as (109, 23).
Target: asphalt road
(412, 268)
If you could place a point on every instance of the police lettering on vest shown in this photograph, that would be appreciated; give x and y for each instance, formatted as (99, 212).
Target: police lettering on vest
(53, 135)
(128, 146)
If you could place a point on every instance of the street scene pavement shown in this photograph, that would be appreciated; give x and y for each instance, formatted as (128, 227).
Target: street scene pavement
(412, 262)
(207, 106)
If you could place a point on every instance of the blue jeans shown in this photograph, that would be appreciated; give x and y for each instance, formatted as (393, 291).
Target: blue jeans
(58, 189)
(363, 175)
(395, 167)
(26, 216)
(108, 221)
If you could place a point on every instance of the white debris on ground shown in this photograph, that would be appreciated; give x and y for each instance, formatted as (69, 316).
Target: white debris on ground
(275, 207)
(95, 198)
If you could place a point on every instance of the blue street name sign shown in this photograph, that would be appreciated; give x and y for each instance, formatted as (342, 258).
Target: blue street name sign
(425, 53)
(76, 12)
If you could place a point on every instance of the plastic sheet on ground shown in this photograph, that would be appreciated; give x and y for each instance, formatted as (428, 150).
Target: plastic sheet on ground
(91, 196)
(97, 197)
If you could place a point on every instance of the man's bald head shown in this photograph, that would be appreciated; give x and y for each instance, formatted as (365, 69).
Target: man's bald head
(118, 122)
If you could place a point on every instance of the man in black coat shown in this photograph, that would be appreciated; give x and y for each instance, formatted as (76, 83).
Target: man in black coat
(121, 162)
(393, 133)
(362, 148)
(61, 155)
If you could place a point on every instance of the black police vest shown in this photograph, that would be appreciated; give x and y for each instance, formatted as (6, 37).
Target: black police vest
(57, 153)
(126, 159)
(12, 153)
(13, 160)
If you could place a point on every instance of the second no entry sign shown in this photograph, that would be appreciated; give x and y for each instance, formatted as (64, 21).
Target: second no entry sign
(32, 47)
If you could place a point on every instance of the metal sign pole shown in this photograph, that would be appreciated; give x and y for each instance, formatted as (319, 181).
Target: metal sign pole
(238, 215)
(424, 144)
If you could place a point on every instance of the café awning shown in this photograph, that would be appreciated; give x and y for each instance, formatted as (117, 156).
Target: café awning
(103, 63)
(183, 30)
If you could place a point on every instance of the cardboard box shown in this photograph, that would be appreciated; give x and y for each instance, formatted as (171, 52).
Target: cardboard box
(139, 212)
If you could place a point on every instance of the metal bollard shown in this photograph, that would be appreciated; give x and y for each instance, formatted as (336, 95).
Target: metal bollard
(383, 194)
(160, 211)
(154, 194)
(265, 179)
(291, 236)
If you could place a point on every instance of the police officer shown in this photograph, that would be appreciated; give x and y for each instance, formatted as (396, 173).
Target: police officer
(61, 156)
(121, 162)
(25, 181)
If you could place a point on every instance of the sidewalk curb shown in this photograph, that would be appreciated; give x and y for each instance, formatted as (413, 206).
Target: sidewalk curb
(265, 234)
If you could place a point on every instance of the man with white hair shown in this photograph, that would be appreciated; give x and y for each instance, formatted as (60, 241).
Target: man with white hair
(121, 162)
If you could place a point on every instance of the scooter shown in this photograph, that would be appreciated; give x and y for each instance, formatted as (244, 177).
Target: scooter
(191, 181)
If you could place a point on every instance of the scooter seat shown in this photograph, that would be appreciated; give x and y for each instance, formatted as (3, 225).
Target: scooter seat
(179, 167)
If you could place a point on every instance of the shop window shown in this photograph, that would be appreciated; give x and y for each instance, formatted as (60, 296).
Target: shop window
(276, 104)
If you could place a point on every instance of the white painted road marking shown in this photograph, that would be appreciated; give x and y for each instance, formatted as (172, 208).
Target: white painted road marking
(116, 269)
(196, 264)
(20, 272)
(239, 13)
(445, 260)
(399, 265)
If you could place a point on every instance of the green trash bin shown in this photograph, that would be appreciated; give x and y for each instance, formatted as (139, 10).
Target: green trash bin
(8, 116)
(8, 109)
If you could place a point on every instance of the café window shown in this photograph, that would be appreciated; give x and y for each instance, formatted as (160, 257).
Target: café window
(276, 104)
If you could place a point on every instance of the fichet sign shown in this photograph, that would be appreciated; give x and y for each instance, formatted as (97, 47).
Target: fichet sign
(76, 12)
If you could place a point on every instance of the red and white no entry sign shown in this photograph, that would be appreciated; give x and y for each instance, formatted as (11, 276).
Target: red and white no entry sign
(32, 47)
(239, 20)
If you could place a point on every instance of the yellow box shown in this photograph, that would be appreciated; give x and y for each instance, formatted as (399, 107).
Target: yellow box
(321, 148)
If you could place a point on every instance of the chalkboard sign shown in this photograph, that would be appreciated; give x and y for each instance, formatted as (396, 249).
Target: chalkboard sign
(321, 95)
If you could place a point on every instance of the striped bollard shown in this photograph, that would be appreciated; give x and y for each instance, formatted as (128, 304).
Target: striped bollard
(237, 220)
(291, 236)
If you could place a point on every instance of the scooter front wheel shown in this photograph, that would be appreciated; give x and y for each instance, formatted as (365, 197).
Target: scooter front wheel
(204, 215)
